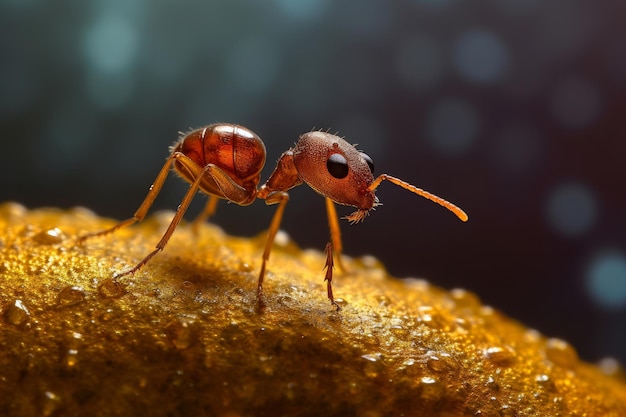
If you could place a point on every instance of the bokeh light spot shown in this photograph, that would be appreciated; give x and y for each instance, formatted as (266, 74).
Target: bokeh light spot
(606, 279)
(452, 126)
(575, 102)
(110, 44)
(571, 209)
(419, 62)
(480, 56)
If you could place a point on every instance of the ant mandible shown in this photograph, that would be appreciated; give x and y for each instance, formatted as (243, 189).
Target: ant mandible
(225, 161)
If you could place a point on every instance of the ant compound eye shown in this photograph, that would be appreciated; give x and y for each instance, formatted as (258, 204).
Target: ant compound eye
(337, 166)
(369, 161)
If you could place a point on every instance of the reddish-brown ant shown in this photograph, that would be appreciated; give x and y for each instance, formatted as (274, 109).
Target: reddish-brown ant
(225, 161)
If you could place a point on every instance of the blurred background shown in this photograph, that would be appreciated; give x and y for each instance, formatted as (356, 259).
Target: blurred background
(514, 110)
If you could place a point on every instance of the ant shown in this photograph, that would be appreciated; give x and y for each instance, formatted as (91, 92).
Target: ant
(225, 161)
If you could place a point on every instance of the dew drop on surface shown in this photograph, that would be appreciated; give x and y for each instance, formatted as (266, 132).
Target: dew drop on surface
(341, 302)
(245, 267)
(464, 298)
(282, 238)
(610, 367)
(70, 296)
(439, 361)
(545, 382)
(500, 355)
(50, 404)
(507, 410)
(71, 358)
(432, 389)
(373, 365)
(370, 261)
(409, 367)
(561, 353)
(181, 334)
(398, 330)
(110, 288)
(12, 211)
(49, 237)
(17, 314)
(532, 336)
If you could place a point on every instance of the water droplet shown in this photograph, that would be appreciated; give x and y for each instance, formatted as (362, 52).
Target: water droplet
(439, 361)
(532, 336)
(464, 298)
(500, 355)
(282, 238)
(487, 312)
(491, 383)
(245, 267)
(181, 334)
(50, 404)
(398, 330)
(49, 237)
(71, 358)
(432, 389)
(341, 302)
(12, 211)
(561, 353)
(372, 357)
(373, 365)
(370, 261)
(110, 288)
(410, 367)
(17, 314)
(506, 411)
(545, 382)
(70, 296)
(610, 367)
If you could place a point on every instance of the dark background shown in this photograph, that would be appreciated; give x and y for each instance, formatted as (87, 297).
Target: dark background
(514, 110)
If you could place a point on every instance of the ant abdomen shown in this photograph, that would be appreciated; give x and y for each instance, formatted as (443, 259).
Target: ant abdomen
(238, 151)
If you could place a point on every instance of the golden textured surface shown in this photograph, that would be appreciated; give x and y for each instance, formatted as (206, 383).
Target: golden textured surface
(183, 337)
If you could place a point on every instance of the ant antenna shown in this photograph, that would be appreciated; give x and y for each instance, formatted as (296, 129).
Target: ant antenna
(454, 209)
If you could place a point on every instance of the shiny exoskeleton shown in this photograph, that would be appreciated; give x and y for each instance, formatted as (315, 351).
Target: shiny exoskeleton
(225, 161)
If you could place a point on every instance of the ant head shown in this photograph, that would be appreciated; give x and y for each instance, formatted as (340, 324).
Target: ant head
(335, 169)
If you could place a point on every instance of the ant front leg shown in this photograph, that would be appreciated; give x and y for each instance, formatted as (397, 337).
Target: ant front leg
(335, 231)
(329, 274)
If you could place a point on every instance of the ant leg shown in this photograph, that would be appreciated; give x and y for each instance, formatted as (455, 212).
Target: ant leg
(329, 274)
(335, 231)
(141, 212)
(208, 211)
(180, 212)
(281, 198)
(397, 181)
